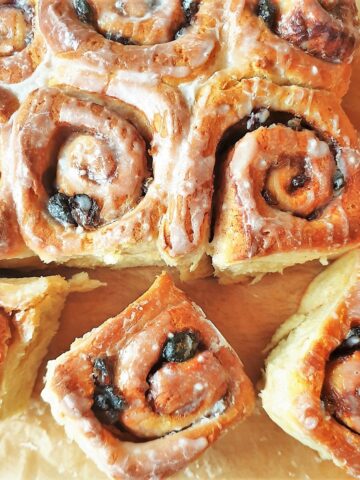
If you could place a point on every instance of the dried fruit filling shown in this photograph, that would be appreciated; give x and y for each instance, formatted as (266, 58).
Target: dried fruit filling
(180, 346)
(107, 402)
(80, 210)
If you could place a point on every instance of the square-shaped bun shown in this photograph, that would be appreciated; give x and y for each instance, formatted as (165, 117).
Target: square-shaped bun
(149, 390)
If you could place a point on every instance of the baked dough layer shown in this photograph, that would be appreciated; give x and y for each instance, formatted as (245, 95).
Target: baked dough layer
(295, 369)
(173, 411)
(260, 223)
(30, 309)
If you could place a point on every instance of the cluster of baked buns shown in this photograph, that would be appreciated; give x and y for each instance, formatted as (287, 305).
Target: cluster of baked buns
(204, 135)
(200, 134)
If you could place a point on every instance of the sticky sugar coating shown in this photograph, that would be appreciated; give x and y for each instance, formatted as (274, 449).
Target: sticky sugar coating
(150, 389)
(138, 23)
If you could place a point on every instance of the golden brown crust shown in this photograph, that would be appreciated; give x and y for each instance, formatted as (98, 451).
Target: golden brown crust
(8, 105)
(228, 38)
(106, 159)
(173, 61)
(293, 392)
(307, 44)
(133, 341)
(29, 314)
(301, 44)
(30, 309)
(257, 215)
(12, 245)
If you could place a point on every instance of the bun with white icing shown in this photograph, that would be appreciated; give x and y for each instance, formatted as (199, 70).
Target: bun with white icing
(30, 309)
(152, 202)
(148, 391)
(288, 168)
(308, 43)
(12, 246)
(305, 43)
(21, 44)
(91, 181)
(312, 374)
(169, 40)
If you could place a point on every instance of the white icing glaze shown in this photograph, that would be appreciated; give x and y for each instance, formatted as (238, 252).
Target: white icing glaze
(135, 75)
(38, 79)
(156, 457)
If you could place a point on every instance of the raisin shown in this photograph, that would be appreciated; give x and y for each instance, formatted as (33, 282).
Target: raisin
(180, 347)
(269, 199)
(83, 11)
(29, 38)
(313, 216)
(257, 118)
(85, 211)
(299, 181)
(107, 417)
(295, 123)
(107, 403)
(59, 208)
(190, 8)
(102, 373)
(267, 11)
(350, 344)
(338, 181)
(116, 37)
(146, 185)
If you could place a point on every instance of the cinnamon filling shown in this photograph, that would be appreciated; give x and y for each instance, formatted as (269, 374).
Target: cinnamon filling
(186, 380)
(97, 178)
(325, 29)
(292, 182)
(341, 389)
(184, 388)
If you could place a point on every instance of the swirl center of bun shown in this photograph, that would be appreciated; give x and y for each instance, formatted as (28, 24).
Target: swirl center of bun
(287, 170)
(90, 156)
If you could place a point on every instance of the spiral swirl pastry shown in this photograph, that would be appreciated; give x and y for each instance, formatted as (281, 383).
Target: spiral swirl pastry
(171, 40)
(21, 46)
(312, 375)
(308, 43)
(89, 179)
(287, 165)
(149, 390)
